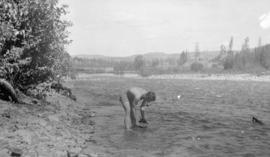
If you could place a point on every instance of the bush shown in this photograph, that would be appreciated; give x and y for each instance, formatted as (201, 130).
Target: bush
(145, 72)
(264, 56)
(196, 66)
(32, 41)
(228, 62)
(119, 68)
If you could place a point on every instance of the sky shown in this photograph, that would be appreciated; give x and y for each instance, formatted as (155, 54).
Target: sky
(128, 27)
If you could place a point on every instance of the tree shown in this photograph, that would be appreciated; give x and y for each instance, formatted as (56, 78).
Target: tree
(222, 49)
(155, 63)
(245, 46)
(139, 63)
(196, 66)
(182, 59)
(120, 67)
(32, 41)
(259, 42)
(230, 51)
(197, 51)
(265, 56)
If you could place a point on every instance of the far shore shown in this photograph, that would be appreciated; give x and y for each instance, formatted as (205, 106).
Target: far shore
(229, 77)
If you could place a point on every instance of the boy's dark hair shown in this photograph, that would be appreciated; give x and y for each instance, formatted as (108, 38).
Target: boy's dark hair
(149, 96)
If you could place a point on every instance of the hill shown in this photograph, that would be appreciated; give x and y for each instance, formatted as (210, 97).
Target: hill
(205, 55)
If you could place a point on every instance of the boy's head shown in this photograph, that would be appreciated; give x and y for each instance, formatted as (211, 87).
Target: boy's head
(149, 96)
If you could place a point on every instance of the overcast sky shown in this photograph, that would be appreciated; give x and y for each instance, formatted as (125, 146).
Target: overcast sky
(126, 27)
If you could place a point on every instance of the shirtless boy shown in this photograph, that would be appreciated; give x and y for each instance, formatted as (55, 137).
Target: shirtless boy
(136, 96)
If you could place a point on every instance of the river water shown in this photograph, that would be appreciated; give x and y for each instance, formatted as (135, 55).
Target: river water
(212, 118)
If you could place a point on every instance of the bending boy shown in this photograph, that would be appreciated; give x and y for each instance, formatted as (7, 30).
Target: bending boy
(136, 96)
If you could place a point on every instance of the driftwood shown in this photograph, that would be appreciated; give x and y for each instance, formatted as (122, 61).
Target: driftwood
(7, 92)
(257, 121)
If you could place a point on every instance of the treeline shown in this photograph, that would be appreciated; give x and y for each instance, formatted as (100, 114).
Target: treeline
(138, 64)
(247, 59)
(227, 60)
(32, 42)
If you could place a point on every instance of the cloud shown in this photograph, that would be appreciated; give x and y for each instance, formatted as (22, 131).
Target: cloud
(265, 20)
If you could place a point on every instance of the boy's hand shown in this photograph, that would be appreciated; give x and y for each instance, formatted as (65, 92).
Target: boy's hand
(143, 121)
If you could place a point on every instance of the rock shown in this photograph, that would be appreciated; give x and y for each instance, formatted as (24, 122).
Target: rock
(4, 153)
(69, 154)
(6, 114)
(31, 153)
(26, 135)
(60, 154)
(53, 118)
(88, 155)
(15, 152)
(92, 114)
(75, 150)
(93, 155)
(84, 155)
(34, 101)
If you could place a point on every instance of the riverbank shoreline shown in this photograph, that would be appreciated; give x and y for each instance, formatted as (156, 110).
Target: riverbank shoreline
(222, 77)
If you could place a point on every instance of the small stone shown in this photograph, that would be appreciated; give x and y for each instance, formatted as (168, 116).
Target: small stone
(92, 114)
(75, 150)
(53, 118)
(6, 114)
(34, 101)
(4, 153)
(15, 154)
(93, 155)
(60, 154)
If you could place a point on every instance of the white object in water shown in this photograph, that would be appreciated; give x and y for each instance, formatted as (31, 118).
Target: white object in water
(179, 97)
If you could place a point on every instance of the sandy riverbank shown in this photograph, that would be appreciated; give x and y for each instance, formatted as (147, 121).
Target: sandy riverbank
(55, 128)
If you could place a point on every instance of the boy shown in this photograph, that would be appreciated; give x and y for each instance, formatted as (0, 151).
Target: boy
(135, 96)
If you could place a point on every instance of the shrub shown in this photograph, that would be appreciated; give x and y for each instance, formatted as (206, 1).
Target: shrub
(145, 72)
(196, 66)
(228, 62)
(264, 56)
(32, 40)
(119, 68)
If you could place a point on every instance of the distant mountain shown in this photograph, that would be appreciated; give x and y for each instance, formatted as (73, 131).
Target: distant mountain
(206, 55)
(91, 56)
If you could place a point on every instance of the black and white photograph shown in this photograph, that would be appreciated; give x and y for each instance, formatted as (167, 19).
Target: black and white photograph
(134, 78)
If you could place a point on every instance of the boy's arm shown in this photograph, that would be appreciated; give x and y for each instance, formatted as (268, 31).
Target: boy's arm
(143, 120)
